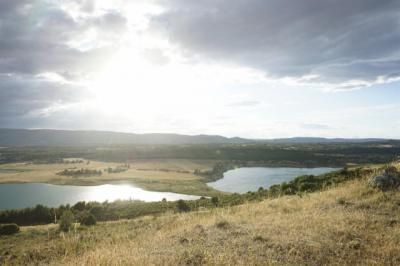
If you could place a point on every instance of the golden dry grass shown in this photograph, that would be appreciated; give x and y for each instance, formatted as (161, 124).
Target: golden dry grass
(157, 175)
(348, 225)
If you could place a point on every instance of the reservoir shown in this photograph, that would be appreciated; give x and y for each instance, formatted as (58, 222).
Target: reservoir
(242, 180)
(14, 196)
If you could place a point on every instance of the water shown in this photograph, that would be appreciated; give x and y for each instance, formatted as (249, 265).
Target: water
(245, 179)
(14, 196)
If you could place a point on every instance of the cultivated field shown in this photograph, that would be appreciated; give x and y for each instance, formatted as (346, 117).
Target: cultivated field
(158, 175)
(351, 224)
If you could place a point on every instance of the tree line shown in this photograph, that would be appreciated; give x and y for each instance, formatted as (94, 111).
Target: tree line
(80, 172)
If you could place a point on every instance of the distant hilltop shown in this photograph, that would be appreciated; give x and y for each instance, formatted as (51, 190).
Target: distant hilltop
(50, 137)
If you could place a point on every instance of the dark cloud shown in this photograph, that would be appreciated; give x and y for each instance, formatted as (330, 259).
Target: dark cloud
(40, 37)
(112, 22)
(37, 38)
(24, 95)
(336, 39)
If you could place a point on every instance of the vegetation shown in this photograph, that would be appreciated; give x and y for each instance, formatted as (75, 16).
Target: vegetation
(177, 168)
(311, 183)
(338, 154)
(66, 221)
(8, 229)
(346, 223)
(108, 211)
(59, 161)
(218, 170)
(80, 172)
(30, 216)
(88, 219)
(182, 206)
(118, 169)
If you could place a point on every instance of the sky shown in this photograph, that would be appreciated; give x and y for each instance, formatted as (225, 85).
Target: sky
(248, 68)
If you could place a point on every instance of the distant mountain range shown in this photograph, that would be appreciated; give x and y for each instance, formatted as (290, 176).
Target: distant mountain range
(48, 137)
(310, 140)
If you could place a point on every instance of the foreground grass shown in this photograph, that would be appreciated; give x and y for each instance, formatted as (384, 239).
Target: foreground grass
(351, 224)
(155, 175)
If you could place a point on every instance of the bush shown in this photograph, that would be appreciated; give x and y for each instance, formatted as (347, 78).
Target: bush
(182, 206)
(308, 187)
(66, 221)
(215, 201)
(79, 206)
(87, 219)
(8, 229)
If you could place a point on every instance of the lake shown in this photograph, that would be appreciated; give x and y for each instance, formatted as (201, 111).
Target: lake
(14, 196)
(242, 180)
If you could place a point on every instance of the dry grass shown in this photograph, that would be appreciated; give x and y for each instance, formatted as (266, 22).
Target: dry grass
(348, 225)
(157, 175)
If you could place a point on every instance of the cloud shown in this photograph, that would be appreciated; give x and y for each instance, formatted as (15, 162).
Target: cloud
(243, 104)
(45, 51)
(153, 65)
(40, 37)
(336, 40)
(155, 56)
(28, 96)
(315, 126)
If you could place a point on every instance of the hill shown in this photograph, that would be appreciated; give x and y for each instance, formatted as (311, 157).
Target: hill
(48, 137)
(348, 224)
(312, 140)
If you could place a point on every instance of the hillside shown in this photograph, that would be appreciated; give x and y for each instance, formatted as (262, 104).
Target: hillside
(47, 137)
(350, 224)
(311, 140)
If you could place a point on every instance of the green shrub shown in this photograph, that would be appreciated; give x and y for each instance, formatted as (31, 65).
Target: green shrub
(66, 221)
(87, 219)
(308, 187)
(182, 206)
(8, 229)
(79, 206)
(215, 201)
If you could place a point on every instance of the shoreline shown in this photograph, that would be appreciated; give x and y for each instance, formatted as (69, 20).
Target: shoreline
(218, 170)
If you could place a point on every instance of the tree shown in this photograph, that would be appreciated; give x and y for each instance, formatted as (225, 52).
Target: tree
(87, 219)
(41, 214)
(215, 201)
(182, 206)
(66, 221)
(79, 206)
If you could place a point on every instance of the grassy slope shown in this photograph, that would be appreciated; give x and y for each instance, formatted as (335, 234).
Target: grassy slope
(348, 225)
(148, 174)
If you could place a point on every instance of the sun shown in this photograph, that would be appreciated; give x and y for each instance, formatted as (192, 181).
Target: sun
(127, 83)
